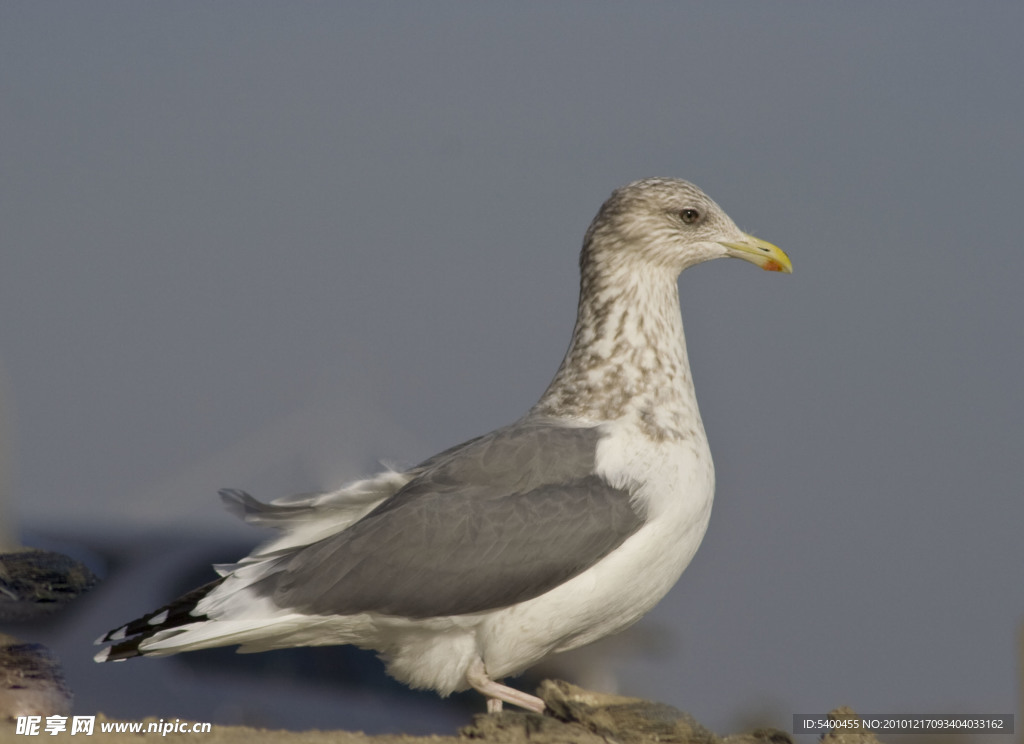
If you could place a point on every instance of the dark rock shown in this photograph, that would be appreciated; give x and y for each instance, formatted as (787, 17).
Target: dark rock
(31, 681)
(35, 583)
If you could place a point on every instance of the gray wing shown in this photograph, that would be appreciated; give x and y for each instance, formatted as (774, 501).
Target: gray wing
(498, 520)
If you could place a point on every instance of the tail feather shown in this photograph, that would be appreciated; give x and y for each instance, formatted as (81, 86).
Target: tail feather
(302, 520)
(307, 518)
(178, 613)
(255, 512)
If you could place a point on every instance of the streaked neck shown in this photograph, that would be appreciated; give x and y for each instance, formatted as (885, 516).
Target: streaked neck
(627, 357)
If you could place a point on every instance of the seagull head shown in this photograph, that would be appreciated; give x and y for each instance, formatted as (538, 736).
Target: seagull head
(671, 224)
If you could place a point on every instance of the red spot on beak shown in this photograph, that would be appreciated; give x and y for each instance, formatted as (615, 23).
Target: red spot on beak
(773, 265)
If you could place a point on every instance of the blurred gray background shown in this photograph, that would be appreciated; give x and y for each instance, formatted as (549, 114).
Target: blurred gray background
(266, 245)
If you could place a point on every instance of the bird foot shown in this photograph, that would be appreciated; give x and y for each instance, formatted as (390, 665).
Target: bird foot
(497, 693)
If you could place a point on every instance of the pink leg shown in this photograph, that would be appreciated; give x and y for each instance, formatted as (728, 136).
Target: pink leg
(495, 692)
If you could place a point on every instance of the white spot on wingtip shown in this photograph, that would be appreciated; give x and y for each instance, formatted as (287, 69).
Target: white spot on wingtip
(114, 635)
(158, 619)
(101, 656)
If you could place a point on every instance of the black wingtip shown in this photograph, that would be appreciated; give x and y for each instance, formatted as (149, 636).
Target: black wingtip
(128, 637)
(120, 651)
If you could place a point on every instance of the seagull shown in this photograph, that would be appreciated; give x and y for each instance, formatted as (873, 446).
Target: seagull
(542, 536)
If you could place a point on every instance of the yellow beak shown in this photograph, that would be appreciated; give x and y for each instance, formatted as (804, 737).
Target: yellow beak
(762, 253)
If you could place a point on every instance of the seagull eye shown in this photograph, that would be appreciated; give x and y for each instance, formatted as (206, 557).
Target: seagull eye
(689, 216)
